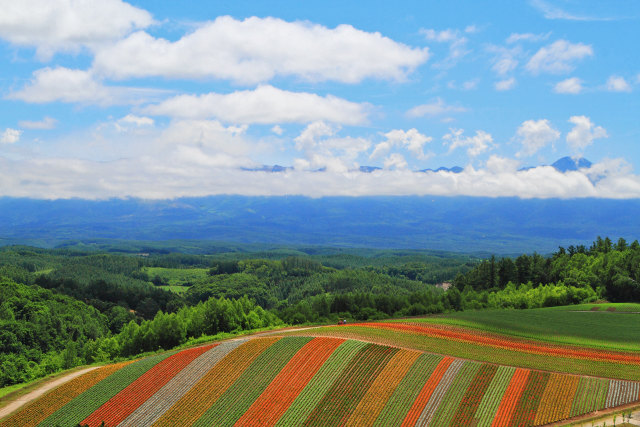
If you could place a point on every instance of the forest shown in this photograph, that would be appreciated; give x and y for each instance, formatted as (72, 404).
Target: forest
(61, 308)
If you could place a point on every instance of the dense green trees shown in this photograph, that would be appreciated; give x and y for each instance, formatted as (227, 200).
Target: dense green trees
(40, 331)
(612, 270)
(63, 308)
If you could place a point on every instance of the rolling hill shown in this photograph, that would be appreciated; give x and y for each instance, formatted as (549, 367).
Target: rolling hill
(346, 375)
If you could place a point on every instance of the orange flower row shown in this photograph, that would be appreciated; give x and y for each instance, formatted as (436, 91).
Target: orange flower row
(40, 409)
(210, 387)
(427, 390)
(382, 388)
(267, 409)
(510, 344)
(135, 394)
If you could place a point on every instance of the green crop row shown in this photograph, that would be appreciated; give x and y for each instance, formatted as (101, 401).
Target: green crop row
(245, 390)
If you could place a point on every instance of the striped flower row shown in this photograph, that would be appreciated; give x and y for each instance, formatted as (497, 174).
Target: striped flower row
(318, 381)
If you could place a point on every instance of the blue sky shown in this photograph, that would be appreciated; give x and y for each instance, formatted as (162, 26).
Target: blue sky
(166, 99)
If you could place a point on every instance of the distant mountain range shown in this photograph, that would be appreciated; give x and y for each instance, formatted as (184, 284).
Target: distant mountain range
(462, 224)
(564, 164)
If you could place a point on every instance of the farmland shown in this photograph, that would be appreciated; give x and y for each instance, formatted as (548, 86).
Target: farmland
(319, 381)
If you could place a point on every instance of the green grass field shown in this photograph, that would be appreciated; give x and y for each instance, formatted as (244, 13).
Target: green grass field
(563, 325)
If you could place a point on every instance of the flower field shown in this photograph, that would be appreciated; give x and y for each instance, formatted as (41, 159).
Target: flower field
(318, 381)
(490, 347)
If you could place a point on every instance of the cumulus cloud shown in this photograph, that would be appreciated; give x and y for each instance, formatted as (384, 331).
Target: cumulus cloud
(44, 124)
(256, 50)
(558, 58)
(534, 135)
(412, 140)
(506, 84)
(571, 86)
(264, 105)
(190, 175)
(437, 107)
(618, 84)
(68, 25)
(10, 136)
(277, 130)
(323, 149)
(395, 161)
(62, 84)
(476, 145)
(583, 134)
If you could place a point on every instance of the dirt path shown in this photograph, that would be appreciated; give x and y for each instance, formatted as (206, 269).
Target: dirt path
(19, 401)
(634, 421)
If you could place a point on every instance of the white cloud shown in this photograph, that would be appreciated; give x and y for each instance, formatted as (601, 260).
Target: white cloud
(571, 86)
(412, 140)
(395, 161)
(504, 66)
(258, 49)
(435, 108)
(78, 86)
(583, 134)
(44, 124)
(558, 57)
(553, 12)
(506, 84)
(618, 84)
(527, 37)
(497, 164)
(535, 135)
(264, 105)
(133, 121)
(457, 44)
(136, 120)
(10, 136)
(476, 145)
(68, 25)
(505, 60)
(190, 175)
(324, 150)
(277, 130)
